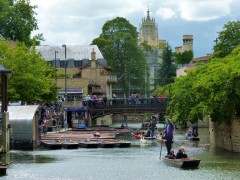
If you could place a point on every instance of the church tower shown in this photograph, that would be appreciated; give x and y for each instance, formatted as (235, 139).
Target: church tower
(149, 31)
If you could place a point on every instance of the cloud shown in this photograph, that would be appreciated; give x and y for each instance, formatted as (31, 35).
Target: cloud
(80, 21)
(204, 10)
(165, 13)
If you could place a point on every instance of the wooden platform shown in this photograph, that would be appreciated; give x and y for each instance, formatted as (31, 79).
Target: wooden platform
(84, 139)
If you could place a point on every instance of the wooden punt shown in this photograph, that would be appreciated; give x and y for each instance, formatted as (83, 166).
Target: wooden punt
(160, 140)
(52, 144)
(185, 163)
(107, 144)
(139, 137)
(120, 143)
(70, 144)
(192, 138)
(88, 144)
(123, 144)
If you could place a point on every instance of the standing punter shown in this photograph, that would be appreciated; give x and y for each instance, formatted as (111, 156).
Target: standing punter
(169, 134)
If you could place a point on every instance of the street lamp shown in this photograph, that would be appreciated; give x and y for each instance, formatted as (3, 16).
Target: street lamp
(55, 64)
(65, 66)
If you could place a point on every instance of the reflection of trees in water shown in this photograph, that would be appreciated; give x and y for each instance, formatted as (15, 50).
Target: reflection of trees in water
(30, 158)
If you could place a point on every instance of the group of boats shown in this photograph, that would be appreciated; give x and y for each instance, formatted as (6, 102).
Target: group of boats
(70, 144)
(185, 163)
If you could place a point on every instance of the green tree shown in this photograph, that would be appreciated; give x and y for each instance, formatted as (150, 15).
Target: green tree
(212, 89)
(32, 80)
(184, 57)
(118, 43)
(228, 39)
(167, 70)
(17, 19)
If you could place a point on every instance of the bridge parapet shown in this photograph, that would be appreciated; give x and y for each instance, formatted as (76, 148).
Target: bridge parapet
(121, 105)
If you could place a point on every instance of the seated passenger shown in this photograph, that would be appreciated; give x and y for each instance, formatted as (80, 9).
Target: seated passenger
(189, 132)
(181, 153)
(159, 135)
(148, 133)
(138, 133)
(171, 155)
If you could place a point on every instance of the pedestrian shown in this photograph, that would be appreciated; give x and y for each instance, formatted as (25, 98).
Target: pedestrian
(169, 134)
(105, 100)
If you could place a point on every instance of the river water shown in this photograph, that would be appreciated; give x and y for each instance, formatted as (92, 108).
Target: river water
(137, 162)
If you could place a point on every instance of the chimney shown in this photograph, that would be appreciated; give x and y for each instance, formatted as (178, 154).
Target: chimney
(93, 55)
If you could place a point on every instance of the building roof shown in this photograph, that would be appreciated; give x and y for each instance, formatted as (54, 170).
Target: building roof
(76, 52)
(204, 59)
(23, 113)
(100, 63)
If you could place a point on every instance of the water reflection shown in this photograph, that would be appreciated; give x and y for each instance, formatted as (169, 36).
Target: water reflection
(139, 161)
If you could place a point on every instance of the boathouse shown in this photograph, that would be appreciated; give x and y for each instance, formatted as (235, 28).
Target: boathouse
(25, 133)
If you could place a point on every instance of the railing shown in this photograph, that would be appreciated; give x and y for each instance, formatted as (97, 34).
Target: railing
(122, 105)
(124, 101)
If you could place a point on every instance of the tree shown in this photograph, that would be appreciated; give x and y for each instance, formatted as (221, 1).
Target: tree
(212, 89)
(32, 80)
(17, 19)
(184, 57)
(118, 43)
(167, 70)
(228, 39)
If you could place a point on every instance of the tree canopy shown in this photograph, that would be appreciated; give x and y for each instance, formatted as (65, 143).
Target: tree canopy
(184, 57)
(212, 89)
(17, 19)
(167, 70)
(228, 39)
(118, 43)
(32, 80)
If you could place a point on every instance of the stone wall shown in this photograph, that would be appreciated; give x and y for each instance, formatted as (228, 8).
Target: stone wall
(225, 136)
(105, 120)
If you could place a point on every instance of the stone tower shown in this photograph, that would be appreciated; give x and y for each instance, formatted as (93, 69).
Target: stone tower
(149, 31)
(187, 43)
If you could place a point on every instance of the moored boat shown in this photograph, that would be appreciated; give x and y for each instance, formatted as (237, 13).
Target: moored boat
(123, 144)
(106, 144)
(186, 163)
(139, 137)
(70, 144)
(120, 143)
(160, 140)
(88, 144)
(192, 138)
(52, 144)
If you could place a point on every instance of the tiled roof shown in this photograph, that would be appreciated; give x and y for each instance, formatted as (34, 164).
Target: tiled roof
(76, 52)
(202, 59)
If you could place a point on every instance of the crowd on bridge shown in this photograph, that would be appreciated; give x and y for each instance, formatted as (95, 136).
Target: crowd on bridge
(133, 99)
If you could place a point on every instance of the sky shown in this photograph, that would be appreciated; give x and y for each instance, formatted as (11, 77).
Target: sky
(78, 22)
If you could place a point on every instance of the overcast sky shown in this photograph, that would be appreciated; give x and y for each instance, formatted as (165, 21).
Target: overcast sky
(78, 22)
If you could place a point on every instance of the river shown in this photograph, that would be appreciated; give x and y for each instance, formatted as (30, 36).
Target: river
(137, 162)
